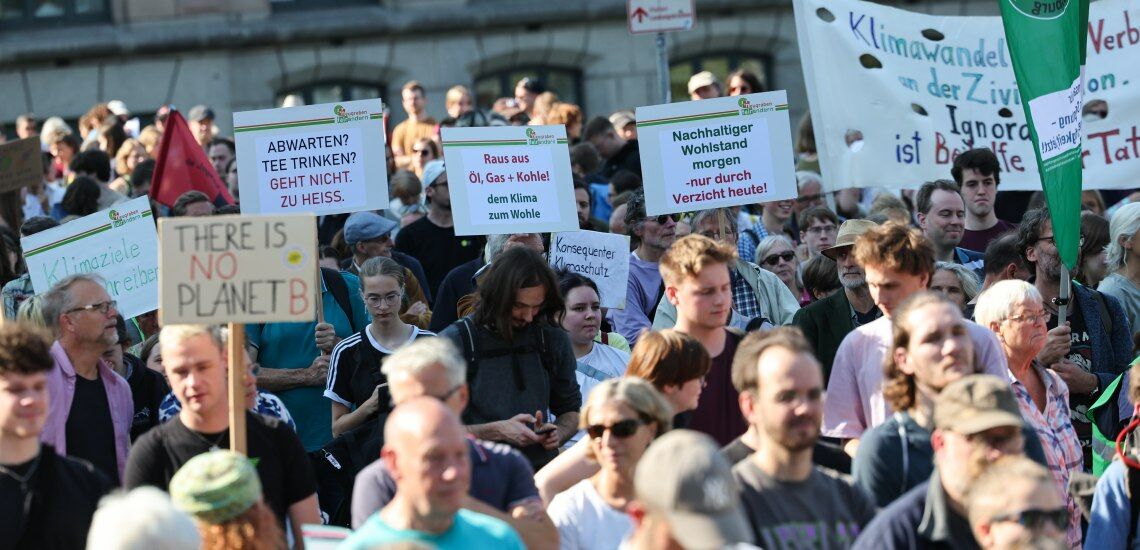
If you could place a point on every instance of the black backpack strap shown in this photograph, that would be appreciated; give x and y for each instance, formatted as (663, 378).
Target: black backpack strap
(657, 301)
(339, 289)
(467, 335)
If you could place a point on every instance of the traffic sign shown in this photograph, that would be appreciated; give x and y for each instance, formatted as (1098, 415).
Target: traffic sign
(649, 16)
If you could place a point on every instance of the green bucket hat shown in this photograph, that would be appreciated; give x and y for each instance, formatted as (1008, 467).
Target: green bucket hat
(216, 487)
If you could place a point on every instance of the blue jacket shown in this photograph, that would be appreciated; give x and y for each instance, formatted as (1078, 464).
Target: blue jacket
(1111, 352)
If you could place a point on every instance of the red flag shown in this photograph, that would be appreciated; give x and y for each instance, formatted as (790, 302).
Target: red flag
(181, 165)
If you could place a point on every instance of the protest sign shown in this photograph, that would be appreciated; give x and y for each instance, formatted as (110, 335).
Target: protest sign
(921, 89)
(716, 152)
(322, 159)
(509, 179)
(118, 244)
(238, 269)
(21, 164)
(603, 257)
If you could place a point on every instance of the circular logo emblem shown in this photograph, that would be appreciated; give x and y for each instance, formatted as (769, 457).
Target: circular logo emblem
(1040, 9)
(340, 111)
(530, 133)
(294, 257)
(743, 102)
(114, 214)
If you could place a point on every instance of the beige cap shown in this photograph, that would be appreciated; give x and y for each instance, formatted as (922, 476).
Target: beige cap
(849, 230)
(976, 403)
(702, 79)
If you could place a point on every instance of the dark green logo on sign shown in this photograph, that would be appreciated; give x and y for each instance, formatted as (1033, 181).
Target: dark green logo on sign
(1040, 9)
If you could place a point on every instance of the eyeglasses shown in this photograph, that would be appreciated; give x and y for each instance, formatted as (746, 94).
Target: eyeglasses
(1043, 317)
(820, 229)
(1053, 241)
(421, 152)
(620, 430)
(101, 307)
(773, 259)
(1036, 519)
(809, 198)
(716, 235)
(663, 218)
(391, 299)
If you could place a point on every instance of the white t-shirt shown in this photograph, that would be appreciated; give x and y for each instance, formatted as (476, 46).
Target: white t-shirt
(608, 362)
(585, 521)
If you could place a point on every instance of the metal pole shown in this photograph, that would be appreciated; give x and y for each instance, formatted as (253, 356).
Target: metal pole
(1066, 286)
(663, 69)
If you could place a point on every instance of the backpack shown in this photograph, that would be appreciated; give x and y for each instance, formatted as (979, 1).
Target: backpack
(339, 290)
(468, 332)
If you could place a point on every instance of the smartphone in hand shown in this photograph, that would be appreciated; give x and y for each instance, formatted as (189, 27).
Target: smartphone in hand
(544, 429)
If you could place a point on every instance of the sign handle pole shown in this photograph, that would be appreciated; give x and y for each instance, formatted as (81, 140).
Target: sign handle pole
(663, 69)
(237, 387)
(1063, 296)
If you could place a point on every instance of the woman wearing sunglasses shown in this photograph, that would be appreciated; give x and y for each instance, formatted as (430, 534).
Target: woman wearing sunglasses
(675, 364)
(777, 253)
(621, 418)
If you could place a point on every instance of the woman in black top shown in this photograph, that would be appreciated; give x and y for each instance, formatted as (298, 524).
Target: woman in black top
(357, 388)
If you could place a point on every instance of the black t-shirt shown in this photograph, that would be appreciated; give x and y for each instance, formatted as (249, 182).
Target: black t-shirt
(90, 432)
(54, 509)
(284, 469)
(148, 388)
(437, 248)
(1081, 354)
(354, 369)
(825, 454)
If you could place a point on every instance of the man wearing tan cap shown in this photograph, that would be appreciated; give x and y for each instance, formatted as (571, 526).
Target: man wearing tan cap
(827, 322)
(704, 85)
(686, 497)
(976, 422)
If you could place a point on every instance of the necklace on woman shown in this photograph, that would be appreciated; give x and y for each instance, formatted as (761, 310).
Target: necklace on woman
(215, 443)
(23, 479)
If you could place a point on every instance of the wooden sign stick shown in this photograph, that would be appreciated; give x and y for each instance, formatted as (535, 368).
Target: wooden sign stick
(237, 374)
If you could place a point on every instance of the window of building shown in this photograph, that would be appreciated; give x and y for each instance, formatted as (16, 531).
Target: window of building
(567, 83)
(24, 12)
(331, 92)
(720, 64)
(285, 5)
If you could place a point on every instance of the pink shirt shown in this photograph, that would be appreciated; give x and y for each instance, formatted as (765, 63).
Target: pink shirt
(855, 401)
(61, 392)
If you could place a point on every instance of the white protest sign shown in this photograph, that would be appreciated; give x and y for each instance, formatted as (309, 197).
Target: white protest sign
(238, 269)
(603, 257)
(922, 89)
(509, 179)
(716, 152)
(118, 244)
(649, 16)
(322, 159)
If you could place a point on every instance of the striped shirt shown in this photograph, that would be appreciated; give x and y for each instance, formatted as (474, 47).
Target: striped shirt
(1059, 440)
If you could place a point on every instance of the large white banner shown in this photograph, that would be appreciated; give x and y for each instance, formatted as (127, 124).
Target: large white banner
(921, 89)
(119, 244)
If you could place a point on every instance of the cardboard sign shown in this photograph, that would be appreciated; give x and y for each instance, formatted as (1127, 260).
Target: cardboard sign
(322, 159)
(21, 164)
(649, 16)
(118, 244)
(716, 152)
(238, 269)
(917, 90)
(509, 179)
(603, 257)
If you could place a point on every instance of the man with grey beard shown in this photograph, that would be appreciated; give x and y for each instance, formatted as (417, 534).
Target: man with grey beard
(826, 322)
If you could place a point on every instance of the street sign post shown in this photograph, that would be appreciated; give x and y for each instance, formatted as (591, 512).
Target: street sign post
(660, 17)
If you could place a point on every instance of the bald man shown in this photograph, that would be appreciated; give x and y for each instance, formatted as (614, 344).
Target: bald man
(502, 482)
(425, 449)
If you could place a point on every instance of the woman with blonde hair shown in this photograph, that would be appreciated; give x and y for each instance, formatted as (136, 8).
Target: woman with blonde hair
(222, 492)
(621, 418)
(129, 155)
(1123, 279)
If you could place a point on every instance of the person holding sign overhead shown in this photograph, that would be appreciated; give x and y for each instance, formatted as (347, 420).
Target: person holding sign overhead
(355, 385)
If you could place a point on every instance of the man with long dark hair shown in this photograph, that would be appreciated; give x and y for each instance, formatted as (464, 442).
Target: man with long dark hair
(520, 364)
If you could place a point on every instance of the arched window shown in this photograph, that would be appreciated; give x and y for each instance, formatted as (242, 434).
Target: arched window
(334, 91)
(53, 12)
(719, 64)
(567, 83)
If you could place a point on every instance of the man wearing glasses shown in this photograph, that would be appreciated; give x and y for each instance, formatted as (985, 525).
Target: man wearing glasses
(91, 406)
(1089, 348)
(1014, 504)
(645, 288)
(502, 482)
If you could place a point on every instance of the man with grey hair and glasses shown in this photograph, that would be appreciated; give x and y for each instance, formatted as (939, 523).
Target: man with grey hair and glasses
(502, 482)
(91, 406)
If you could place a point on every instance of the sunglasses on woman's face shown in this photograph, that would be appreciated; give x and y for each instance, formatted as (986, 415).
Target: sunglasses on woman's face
(620, 430)
(774, 259)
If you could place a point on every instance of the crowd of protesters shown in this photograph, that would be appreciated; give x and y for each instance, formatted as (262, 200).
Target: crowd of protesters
(866, 368)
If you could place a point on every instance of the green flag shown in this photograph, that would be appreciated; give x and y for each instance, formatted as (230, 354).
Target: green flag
(1047, 40)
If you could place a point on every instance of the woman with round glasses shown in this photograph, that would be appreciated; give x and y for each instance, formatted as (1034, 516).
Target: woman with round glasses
(777, 253)
(621, 418)
(1013, 309)
(355, 384)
